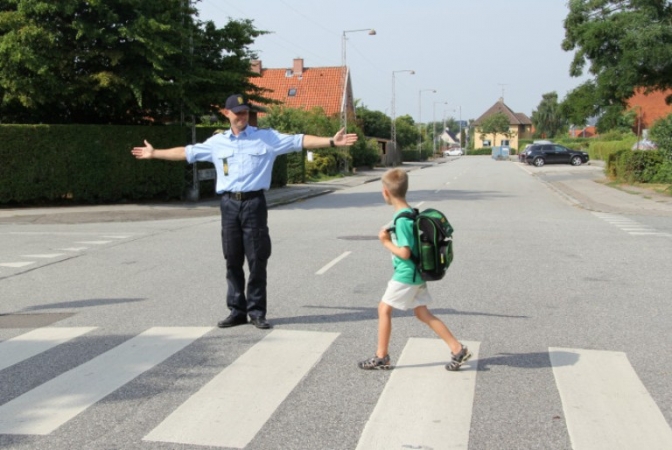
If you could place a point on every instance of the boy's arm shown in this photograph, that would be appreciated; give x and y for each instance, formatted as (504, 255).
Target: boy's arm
(386, 240)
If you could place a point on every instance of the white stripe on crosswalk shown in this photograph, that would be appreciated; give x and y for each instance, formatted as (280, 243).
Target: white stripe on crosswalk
(20, 348)
(49, 255)
(413, 411)
(233, 406)
(45, 408)
(606, 405)
(17, 265)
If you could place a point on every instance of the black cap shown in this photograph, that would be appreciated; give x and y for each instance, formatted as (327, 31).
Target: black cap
(236, 103)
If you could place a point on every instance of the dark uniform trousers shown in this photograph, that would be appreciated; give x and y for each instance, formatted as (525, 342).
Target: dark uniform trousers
(245, 235)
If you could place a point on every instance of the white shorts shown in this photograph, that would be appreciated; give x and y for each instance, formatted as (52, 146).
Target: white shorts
(406, 296)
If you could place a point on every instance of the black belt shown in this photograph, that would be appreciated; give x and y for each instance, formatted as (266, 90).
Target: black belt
(242, 196)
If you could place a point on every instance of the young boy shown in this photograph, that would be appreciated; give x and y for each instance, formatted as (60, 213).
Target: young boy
(406, 289)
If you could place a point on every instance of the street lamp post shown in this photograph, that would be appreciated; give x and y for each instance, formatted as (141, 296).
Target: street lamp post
(433, 91)
(344, 104)
(393, 131)
(434, 125)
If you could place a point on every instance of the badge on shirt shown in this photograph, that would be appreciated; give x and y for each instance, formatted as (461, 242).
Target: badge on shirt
(225, 166)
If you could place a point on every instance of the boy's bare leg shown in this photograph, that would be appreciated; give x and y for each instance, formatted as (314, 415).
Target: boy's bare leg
(440, 328)
(384, 329)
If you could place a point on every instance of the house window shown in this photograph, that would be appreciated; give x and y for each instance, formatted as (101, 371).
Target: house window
(291, 92)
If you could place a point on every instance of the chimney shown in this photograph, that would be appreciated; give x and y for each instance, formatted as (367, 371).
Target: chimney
(297, 67)
(255, 66)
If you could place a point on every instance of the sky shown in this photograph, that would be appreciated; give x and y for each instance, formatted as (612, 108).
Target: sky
(471, 52)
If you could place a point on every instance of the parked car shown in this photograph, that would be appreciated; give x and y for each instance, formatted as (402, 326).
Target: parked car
(453, 152)
(540, 154)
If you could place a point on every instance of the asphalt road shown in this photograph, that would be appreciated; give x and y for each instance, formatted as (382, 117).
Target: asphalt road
(108, 337)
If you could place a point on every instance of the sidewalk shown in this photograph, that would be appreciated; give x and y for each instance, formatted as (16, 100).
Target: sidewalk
(589, 193)
(594, 194)
(178, 210)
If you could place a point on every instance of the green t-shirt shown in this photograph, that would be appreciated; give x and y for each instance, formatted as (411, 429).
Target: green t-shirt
(404, 269)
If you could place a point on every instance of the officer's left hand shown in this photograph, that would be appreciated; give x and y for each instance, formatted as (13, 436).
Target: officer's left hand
(341, 139)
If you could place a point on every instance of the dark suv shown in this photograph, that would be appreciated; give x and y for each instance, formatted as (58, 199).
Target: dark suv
(540, 154)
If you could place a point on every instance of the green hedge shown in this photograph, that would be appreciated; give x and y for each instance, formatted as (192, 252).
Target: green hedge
(602, 149)
(61, 164)
(642, 166)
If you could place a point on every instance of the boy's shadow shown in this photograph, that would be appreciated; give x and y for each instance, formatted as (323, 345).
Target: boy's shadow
(535, 360)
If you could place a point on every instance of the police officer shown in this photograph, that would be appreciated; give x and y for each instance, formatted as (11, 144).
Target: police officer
(243, 158)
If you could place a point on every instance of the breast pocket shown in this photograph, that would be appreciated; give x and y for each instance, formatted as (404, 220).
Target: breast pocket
(253, 158)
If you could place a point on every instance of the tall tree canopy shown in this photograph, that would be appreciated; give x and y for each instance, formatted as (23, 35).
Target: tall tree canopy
(117, 61)
(374, 123)
(548, 120)
(627, 43)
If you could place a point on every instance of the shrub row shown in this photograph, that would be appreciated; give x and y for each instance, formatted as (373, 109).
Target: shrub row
(58, 164)
(639, 166)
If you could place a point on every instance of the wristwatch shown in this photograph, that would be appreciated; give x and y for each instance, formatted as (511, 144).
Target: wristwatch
(331, 143)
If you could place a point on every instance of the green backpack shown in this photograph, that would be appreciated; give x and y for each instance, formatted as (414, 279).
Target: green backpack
(433, 250)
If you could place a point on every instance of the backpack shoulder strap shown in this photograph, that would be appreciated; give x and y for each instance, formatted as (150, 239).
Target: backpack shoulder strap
(407, 215)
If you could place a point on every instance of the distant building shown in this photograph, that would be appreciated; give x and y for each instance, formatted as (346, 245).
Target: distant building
(520, 127)
(648, 108)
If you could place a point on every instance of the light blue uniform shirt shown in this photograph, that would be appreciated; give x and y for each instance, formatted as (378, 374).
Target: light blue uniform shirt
(244, 163)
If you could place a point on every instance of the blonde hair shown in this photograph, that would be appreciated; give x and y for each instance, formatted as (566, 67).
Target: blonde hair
(396, 182)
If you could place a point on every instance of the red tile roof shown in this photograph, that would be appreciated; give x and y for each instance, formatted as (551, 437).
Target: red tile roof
(500, 107)
(314, 86)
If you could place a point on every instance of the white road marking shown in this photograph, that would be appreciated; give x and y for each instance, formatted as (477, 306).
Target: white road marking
(17, 265)
(630, 226)
(47, 407)
(606, 405)
(93, 242)
(418, 205)
(332, 264)
(231, 409)
(22, 347)
(116, 237)
(423, 405)
(73, 249)
(50, 255)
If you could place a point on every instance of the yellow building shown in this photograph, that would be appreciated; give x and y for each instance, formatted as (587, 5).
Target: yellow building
(520, 128)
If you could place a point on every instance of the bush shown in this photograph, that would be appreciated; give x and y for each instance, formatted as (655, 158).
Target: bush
(661, 134)
(365, 153)
(638, 166)
(601, 149)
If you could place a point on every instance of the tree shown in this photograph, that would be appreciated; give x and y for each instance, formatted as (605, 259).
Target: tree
(374, 123)
(496, 124)
(580, 104)
(627, 43)
(116, 61)
(547, 119)
(407, 132)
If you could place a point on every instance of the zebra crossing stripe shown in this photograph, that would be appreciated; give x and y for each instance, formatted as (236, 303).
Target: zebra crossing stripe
(20, 348)
(606, 405)
(231, 409)
(50, 405)
(413, 411)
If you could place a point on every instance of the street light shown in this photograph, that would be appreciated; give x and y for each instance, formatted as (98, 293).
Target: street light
(434, 125)
(433, 91)
(393, 131)
(344, 104)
